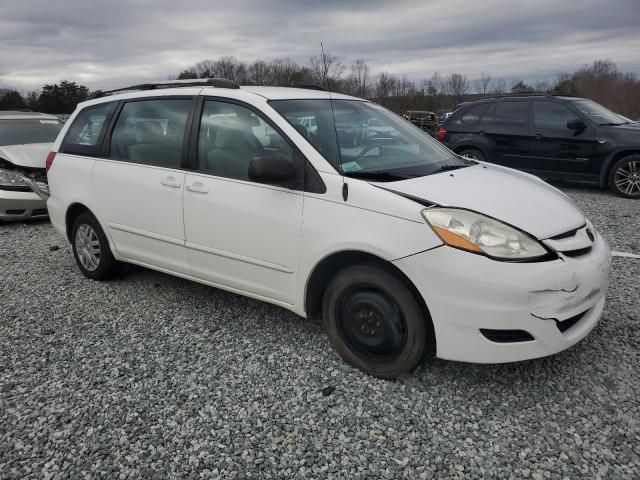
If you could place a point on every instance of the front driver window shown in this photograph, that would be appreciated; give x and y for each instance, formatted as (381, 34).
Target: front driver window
(231, 136)
(551, 115)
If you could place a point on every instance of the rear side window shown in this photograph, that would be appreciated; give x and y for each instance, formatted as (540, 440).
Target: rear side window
(475, 114)
(511, 114)
(551, 115)
(151, 132)
(87, 131)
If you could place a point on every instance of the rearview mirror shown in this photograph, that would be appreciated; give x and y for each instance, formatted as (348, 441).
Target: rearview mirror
(271, 170)
(576, 124)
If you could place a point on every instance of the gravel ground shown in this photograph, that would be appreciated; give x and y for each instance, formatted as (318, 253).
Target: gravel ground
(151, 376)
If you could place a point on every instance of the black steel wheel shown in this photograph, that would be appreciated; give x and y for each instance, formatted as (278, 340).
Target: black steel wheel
(374, 322)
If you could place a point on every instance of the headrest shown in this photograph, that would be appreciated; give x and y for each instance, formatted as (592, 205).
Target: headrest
(149, 132)
(234, 135)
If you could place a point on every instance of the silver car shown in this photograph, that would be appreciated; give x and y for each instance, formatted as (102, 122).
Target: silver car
(25, 141)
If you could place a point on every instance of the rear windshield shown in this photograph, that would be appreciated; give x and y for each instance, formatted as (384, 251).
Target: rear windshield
(23, 131)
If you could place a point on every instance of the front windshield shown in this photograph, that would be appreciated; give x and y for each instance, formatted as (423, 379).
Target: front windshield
(367, 140)
(598, 113)
(23, 131)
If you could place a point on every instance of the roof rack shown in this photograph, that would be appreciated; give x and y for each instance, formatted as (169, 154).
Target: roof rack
(201, 82)
(308, 86)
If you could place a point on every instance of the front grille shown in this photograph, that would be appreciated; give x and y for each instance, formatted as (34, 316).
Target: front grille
(577, 253)
(569, 322)
(570, 233)
(15, 212)
(39, 211)
(506, 336)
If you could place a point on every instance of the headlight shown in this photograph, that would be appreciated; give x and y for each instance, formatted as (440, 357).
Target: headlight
(11, 178)
(479, 234)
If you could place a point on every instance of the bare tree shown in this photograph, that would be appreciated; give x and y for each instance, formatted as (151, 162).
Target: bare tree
(499, 86)
(259, 73)
(328, 69)
(482, 84)
(359, 79)
(385, 84)
(283, 71)
(456, 85)
(435, 85)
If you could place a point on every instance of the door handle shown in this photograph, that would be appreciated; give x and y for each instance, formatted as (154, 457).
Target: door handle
(170, 182)
(197, 187)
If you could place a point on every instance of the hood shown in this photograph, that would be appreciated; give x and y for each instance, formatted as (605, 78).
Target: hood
(516, 198)
(33, 155)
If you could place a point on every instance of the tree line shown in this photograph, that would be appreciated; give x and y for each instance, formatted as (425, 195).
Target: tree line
(601, 81)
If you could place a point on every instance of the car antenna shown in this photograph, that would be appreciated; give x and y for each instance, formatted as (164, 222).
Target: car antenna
(325, 71)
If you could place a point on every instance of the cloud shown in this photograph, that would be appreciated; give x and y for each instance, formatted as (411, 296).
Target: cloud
(110, 44)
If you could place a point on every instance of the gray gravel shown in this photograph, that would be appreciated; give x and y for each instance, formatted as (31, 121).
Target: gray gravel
(151, 376)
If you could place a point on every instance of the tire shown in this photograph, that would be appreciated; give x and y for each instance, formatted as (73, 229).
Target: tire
(624, 177)
(472, 153)
(91, 249)
(374, 322)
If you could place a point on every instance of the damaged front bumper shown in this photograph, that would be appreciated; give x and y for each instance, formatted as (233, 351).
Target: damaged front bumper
(486, 311)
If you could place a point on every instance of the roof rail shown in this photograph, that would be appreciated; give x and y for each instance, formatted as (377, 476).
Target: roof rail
(509, 95)
(308, 86)
(200, 82)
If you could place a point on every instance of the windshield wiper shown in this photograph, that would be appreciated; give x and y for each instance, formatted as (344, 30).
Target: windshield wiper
(614, 124)
(448, 168)
(379, 175)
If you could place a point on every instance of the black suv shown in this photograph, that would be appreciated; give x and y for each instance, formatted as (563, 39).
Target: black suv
(550, 136)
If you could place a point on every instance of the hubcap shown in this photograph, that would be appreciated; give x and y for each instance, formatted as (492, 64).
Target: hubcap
(371, 323)
(88, 247)
(472, 156)
(627, 178)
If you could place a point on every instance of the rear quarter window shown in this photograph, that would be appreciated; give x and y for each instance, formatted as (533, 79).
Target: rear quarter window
(85, 134)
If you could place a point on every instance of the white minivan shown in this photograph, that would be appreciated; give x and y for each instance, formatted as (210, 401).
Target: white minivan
(402, 247)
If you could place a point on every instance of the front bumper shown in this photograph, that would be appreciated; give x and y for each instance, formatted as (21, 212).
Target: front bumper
(21, 206)
(466, 292)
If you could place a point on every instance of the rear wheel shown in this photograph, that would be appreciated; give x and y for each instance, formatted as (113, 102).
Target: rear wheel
(374, 322)
(91, 249)
(472, 153)
(624, 178)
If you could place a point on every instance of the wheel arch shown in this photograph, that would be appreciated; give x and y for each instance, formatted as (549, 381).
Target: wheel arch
(330, 265)
(611, 160)
(467, 146)
(73, 211)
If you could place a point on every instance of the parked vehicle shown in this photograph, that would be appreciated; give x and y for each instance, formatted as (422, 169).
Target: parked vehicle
(402, 247)
(427, 121)
(550, 136)
(444, 116)
(25, 141)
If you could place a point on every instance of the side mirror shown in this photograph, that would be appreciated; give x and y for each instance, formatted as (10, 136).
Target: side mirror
(576, 124)
(271, 170)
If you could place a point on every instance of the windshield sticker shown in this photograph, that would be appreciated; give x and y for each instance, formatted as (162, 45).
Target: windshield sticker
(351, 167)
(50, 122)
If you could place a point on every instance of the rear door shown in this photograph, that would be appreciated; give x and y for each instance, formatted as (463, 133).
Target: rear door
(507, 126)
(556, 148)
(241, 234)
(139, 185)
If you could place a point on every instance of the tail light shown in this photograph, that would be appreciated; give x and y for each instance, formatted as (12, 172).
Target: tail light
(442, 133)
(50, 158)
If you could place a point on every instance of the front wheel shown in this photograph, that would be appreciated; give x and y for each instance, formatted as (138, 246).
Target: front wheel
(624, 178)
(374, 322)
(473, 154)
(91, 249)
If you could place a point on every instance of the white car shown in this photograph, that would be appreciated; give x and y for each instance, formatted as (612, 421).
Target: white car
(25, 141)
(402, 247)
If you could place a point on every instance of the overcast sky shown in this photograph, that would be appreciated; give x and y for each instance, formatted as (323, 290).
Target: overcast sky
(110, 43)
